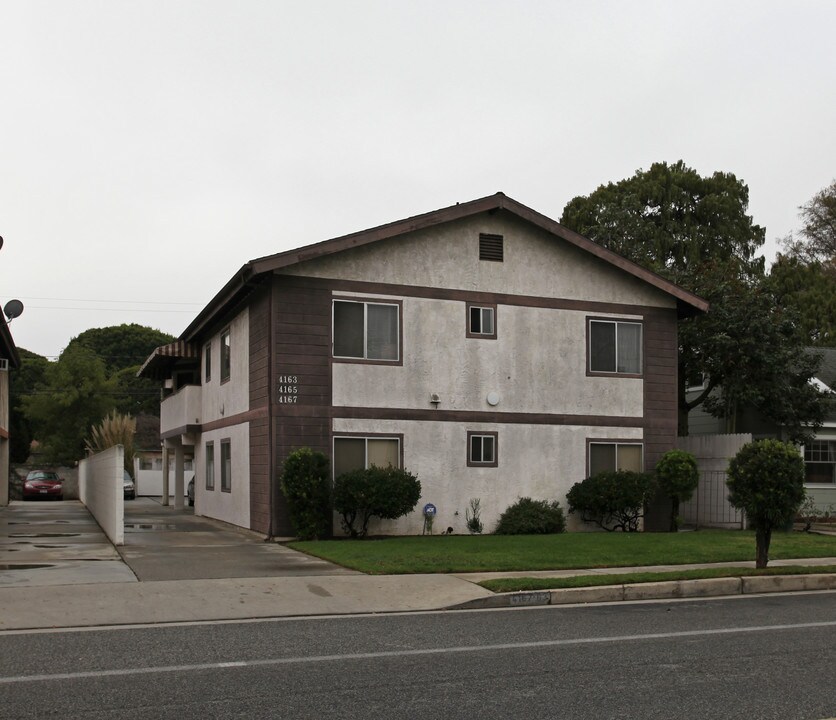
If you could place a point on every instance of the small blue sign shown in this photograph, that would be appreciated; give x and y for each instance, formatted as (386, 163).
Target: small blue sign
(429, 510)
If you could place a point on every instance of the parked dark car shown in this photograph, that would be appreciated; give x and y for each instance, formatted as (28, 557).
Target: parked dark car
(129, 486)
(43, 484)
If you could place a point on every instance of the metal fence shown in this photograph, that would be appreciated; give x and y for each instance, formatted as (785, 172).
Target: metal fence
(709, 506)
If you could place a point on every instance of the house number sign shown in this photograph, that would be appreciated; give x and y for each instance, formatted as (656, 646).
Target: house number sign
(288, 389)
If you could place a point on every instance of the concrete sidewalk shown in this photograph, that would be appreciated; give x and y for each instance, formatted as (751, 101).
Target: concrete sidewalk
(57, 570)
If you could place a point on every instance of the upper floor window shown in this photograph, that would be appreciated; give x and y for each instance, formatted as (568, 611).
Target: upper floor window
(615, 346)
(366, 330)
(207, 362)
(481, 321)
(225, 355)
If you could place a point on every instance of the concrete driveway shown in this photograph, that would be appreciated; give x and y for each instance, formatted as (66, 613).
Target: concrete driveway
(59, 543)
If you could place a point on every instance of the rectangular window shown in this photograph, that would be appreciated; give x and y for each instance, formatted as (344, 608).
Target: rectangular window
(820, 462)
(207, 362)
(358, 453)
(615, 347)
(226, 466)
(210, 466)
(481, 321)
(482, 449)
(225, 355)
(610, 456)
(491, 247)
(366, 330)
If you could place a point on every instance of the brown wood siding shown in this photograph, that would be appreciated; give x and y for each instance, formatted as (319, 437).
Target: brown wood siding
(660, 398)
(301, 352)
(260, 486)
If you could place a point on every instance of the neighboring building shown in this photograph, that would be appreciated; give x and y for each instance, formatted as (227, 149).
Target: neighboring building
(484, 347)
(819, 454)
(9, 359)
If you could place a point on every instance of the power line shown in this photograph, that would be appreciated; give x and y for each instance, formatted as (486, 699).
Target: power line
(135, 302)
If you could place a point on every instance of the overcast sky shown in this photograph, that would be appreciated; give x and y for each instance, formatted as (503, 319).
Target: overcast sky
(149, 149)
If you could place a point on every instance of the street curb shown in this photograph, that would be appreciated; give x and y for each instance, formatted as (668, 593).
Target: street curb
(668, 590)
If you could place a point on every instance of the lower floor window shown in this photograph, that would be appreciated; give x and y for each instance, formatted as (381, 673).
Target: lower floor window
(359, 453)
(481, 449)
(226, 466)
(820, 462)
(210, 466)
(610, 456)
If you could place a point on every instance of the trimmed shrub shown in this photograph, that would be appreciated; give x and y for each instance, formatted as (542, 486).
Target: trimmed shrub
(766, 481)
(612, 500)
(387, 493)
(677, 476)
(306, 486)
(532, 517)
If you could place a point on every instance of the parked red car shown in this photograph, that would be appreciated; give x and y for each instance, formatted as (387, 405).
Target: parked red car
(43, 484)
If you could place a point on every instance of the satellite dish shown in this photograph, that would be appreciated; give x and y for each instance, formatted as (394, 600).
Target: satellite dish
(13, 309)
(1, 241)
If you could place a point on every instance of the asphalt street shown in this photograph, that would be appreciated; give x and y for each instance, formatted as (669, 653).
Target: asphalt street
(747, 657)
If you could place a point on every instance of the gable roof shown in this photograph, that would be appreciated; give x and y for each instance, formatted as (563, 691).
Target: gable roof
(827, 370)
(251, 272)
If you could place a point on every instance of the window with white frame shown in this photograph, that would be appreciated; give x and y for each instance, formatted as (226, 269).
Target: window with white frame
(226, 355)
(359, 453)
(366, 330)
(226, 466)
(609, 456)
(615, 346)
(820, 462)
(481, 321)
(482, 449)
(210, 466)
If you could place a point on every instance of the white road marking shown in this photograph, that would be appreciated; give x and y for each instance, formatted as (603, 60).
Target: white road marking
(406, 653)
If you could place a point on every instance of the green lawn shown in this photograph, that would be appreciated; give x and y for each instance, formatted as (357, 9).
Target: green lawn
(484, 553)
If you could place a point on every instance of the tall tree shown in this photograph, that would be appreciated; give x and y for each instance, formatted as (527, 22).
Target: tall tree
(76, 393)
(808, 287)
(22, 382)
(817, 239)
(696, 232)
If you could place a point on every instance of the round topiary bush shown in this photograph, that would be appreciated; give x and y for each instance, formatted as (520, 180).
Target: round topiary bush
(387, 493)
(678, 476)
(612, 500)
(532, 517)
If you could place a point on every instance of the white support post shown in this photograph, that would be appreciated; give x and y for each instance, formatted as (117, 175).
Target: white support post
(165, 475)
(179, 462)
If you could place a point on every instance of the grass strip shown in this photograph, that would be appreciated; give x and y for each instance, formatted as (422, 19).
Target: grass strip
(576, 581)
(566, 551)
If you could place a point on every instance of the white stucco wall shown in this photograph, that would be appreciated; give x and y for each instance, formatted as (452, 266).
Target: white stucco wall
(232, 507)
(539, 461)
(223, 399)
(100, 488)
(536, 263)
(537, 364)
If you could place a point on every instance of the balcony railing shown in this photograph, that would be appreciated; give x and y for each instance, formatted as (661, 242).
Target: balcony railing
(182, 410)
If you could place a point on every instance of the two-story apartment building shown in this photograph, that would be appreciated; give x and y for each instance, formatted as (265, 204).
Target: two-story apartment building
(486, 348)
(9, 359)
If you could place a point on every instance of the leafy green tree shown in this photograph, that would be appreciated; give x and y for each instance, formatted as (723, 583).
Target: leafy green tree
(22, 382)
(75, 394)
(306, 485)
(766, 481)
(695, 231)
(817, 241)
(677, 476)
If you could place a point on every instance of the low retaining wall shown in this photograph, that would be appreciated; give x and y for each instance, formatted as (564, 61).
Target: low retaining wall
(100, 488)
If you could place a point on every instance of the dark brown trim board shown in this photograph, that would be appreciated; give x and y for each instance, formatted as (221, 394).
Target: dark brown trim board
(259, 396)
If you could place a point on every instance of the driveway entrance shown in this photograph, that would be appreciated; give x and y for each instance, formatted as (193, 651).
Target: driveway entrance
(59, 543)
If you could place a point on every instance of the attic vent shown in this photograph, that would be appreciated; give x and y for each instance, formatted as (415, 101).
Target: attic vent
(490, 247)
